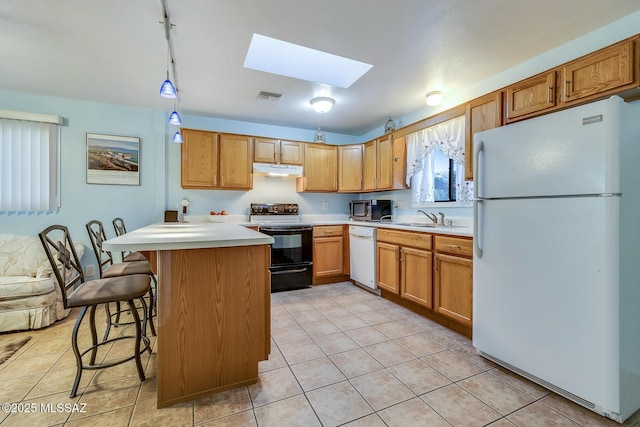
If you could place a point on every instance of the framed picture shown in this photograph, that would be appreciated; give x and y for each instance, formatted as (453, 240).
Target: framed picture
(113, 159)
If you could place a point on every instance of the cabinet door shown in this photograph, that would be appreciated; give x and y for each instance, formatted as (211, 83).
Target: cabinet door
(399, 163)
(388, 258)
(199, 159)
(416, 276)
(384, 163)
(328, 256)
(320, 167)
(235, 161)
(598, 73)
(453, 282)
(369, 174)
(350, 168)
(291, 152)
(481, 114)
(266, 150)
(532, 95)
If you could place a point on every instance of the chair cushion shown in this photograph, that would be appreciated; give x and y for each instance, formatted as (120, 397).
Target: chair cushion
(127, 268)
(134, 256)
(101, 291)
(13, 287)
(20, 255)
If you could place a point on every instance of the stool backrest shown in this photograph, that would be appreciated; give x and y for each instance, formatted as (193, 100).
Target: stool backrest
(97, 237)
(63, 258)
(118, 226)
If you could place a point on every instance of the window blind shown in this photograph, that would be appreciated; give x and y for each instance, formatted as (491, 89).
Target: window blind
(29, 162)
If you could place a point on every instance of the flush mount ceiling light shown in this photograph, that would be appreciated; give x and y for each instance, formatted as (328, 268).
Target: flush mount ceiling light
(322, 104)
(434, 98)
(291, 60)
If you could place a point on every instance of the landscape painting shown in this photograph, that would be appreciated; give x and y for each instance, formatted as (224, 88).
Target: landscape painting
(113, 159)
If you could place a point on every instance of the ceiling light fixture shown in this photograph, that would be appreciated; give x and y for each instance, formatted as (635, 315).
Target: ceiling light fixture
(434, 98)
(177, 137)
(168, 89)
(322, 104)
(174, 117)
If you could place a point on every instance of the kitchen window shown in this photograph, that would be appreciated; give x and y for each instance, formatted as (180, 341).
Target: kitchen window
(435, 164)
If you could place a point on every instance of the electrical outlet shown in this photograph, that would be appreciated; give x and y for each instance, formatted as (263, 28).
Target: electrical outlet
(325, 206)
(90, 270)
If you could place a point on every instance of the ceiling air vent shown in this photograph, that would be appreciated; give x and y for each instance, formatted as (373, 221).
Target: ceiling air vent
(269, 96)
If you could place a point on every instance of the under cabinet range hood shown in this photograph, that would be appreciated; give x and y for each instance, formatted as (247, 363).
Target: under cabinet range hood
(270, 169)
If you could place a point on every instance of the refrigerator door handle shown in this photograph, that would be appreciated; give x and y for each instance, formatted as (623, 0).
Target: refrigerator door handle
(476, 167)
(476, 228)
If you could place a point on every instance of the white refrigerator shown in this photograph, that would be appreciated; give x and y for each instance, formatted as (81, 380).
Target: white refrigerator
(556, 271)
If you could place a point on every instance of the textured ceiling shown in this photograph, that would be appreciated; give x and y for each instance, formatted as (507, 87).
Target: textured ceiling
(115, 51)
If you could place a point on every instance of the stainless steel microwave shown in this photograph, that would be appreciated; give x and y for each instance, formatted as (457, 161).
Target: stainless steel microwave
(370, 210)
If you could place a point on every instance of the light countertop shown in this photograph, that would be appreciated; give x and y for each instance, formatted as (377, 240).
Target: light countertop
(462, 227)
(171, 236)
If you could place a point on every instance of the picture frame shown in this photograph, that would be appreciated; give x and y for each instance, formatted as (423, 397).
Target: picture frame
(113, 159)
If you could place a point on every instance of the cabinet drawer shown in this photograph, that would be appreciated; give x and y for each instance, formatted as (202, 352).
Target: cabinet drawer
(327, 230)
(454, 245)
(405, 238)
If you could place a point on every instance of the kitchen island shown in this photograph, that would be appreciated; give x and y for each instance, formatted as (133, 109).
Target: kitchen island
(213, 305)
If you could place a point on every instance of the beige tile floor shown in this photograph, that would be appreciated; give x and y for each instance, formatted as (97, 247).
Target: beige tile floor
(340, 356)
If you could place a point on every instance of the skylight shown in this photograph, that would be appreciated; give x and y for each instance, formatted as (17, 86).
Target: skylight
(291, 60)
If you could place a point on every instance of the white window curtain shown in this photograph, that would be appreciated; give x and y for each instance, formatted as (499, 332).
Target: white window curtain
(29, 162)
(448, 137)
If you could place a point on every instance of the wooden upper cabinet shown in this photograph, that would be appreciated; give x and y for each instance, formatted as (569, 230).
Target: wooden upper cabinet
(384, 160)
(483, 113)
(533, 95)
(199, 159)
(384, 163)
(399, 161)
(606, 70)
(350, 168)
(369, 172)
(266, 150)
(320, 168)
(291, 152)
(236, 165)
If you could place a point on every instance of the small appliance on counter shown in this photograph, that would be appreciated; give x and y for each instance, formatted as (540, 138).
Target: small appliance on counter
(370, 210)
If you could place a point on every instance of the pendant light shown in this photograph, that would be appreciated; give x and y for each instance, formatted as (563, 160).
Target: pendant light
(177, 137)
(174, 117)
(167, 89)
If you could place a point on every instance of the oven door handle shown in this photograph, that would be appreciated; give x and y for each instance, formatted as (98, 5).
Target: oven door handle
(298, 270)
(286, 229)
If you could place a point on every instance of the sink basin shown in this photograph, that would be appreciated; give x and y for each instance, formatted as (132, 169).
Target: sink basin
(418, 224)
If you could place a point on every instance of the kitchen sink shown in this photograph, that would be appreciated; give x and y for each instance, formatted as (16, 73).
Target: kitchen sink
(418, 224)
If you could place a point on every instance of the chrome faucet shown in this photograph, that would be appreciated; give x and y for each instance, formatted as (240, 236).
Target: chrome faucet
(429, 215)
(441, 217)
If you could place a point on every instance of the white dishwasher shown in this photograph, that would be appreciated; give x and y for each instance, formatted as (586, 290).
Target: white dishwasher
(362, 255)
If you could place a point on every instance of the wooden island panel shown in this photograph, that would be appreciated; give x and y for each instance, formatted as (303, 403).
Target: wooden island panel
(213, 320)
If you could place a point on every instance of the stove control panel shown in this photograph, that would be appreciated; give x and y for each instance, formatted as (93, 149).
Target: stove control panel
(274, 209)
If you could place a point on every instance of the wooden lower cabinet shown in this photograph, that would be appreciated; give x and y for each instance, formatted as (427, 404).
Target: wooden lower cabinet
(405, 265)
(415, 277)
(388, 257)
(329, 248)
(327, 256)
(453, 278)
(433, 271)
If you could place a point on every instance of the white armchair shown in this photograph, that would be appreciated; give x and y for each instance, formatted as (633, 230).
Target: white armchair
(29, 296)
